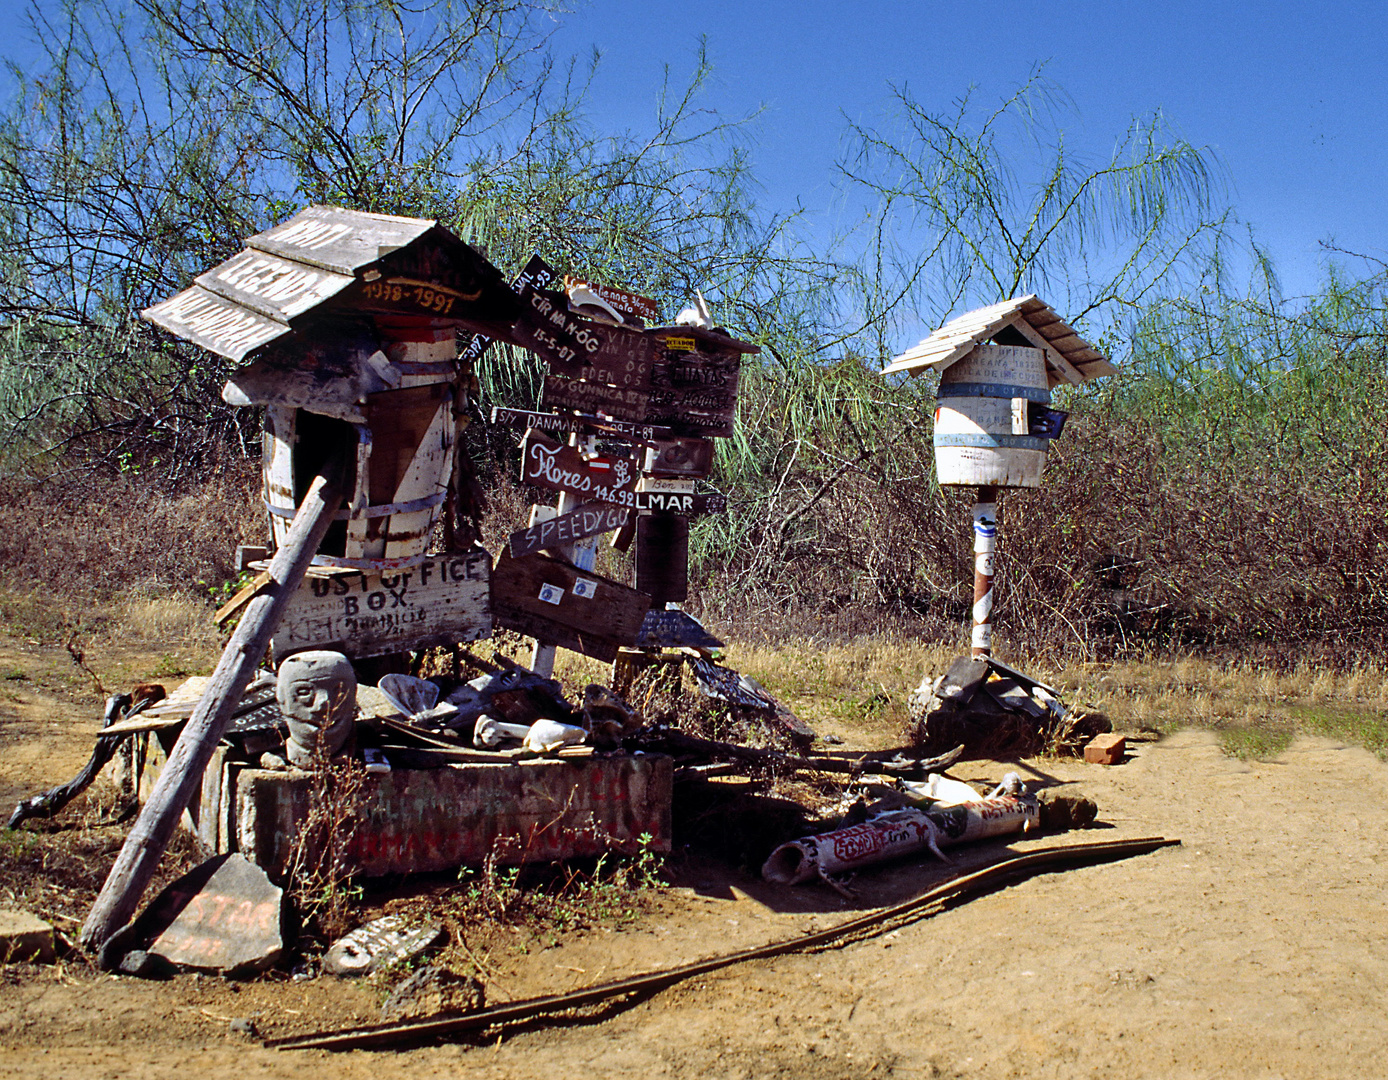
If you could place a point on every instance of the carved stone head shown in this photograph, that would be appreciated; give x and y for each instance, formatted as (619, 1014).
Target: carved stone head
(317, 692)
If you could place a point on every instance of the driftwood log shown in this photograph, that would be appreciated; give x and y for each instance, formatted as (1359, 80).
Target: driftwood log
(182, 773)
(679, 742)
(50, 802)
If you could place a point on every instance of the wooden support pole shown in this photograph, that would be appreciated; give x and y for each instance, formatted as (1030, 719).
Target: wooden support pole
(182, 773)
(985, 542)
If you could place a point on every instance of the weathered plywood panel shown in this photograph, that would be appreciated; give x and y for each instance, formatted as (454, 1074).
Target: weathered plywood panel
(339, 240)
(217, 324)
(555, 602)
(442, 601)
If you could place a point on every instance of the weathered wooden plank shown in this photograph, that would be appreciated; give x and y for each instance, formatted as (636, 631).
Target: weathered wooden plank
(576, 609)
(674, 630)
(217, 324)
(442, 601)
(277, 288)
(549, 464)
(579, 424)
(590, 519)
(548, 329)
(679, 457)
(683, 503)
(628, 303)
(339, 240)
(693, 410)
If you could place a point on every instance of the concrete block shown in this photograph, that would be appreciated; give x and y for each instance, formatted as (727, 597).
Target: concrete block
(1105, 749)
(25, 938)
(418, 820)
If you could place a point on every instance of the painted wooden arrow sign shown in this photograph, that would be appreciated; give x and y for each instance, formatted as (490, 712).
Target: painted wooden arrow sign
(590, 519)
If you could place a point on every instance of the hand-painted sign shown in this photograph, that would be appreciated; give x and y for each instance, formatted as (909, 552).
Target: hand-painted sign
(590, 519)
(683, 503)
(537, 274)
(442, 601)
(679, 457)
(628, 303)
(549, 464)
(579, 423)
(548, 329)
(693, 410)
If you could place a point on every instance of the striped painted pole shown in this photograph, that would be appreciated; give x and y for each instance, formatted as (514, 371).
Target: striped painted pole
(985, 541)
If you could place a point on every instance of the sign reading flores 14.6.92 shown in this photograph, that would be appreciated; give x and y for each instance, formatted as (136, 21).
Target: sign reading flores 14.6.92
(441, 601)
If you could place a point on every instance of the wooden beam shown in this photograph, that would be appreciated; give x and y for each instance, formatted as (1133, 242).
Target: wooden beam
(182, 772)
(1067, 370)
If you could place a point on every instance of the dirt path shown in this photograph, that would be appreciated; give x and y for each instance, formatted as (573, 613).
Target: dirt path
(1257, 948)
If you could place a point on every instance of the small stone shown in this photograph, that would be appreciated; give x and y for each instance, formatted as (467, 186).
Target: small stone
(243, 1025)
(377, 945)
(433, 991)
(25, 938)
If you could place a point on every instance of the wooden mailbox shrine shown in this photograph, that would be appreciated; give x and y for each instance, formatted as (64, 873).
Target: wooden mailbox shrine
(993, 420)
(345, 325)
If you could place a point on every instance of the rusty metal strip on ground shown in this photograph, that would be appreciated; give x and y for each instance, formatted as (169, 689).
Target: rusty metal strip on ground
(517, 1011)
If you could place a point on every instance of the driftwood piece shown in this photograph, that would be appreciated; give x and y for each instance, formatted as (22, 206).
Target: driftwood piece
(183, 770)
(679, 742)
(53, 800)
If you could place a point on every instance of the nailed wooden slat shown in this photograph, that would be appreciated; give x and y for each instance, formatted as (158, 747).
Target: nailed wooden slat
(277, 288)
(215, 323)
(339, 240)
(442, 601)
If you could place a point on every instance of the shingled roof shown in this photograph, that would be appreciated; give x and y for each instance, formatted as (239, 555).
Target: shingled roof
(1069, 358)
(321, 259)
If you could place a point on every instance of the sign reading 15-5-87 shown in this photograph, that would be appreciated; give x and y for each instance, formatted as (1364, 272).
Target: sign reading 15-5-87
(441, 601)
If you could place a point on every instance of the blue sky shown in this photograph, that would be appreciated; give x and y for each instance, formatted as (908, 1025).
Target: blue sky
(1290, 95)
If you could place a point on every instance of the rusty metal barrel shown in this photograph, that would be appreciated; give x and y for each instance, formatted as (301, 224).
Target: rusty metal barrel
(981, 437)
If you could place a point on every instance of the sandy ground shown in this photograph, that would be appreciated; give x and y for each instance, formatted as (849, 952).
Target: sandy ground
(1257, 948)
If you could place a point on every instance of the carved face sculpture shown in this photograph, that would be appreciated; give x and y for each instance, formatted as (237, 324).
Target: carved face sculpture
(317, 693)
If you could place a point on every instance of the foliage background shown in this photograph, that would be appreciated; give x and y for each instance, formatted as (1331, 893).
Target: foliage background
(1221, 494)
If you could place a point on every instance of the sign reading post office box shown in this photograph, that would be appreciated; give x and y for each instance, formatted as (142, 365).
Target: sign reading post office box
(444, 600)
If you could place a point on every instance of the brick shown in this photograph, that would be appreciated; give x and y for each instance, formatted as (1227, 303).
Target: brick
(1105, 749)
(25, 937)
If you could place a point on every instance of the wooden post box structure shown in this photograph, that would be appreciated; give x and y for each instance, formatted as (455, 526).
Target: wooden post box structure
(993, 421)
(346, 325)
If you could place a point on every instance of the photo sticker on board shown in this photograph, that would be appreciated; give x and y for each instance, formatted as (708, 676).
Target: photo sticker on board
(551, 594)
(585, 588)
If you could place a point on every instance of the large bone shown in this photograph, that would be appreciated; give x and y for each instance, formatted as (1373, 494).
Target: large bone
(491, 733)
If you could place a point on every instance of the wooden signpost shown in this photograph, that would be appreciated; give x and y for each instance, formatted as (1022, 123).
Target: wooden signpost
(556, 602)
(442, 601)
